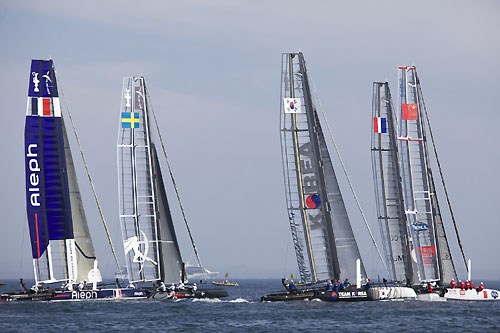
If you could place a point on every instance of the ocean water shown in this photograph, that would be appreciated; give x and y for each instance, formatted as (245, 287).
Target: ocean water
(243, 311)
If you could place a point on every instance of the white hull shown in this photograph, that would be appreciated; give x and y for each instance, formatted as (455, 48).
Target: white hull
(385, 293)
(430, 297)
(472, 295)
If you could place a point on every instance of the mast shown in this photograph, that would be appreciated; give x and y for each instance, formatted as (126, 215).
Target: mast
(417, 184)
(47, 191)
(323, 240)
(387, 184)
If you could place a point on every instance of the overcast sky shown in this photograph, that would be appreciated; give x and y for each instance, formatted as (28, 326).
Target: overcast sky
(213, 72)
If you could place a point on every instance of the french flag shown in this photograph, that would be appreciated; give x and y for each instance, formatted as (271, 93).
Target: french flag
(380, 125)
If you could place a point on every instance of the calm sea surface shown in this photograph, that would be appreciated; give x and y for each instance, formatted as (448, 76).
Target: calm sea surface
(244, 312)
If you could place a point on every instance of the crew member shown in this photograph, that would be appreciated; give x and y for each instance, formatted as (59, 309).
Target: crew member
(69, 286)
(162, 286)
(346, 283)
(471, 285)
(180, 286)
(285, 284)
(293, 288)
(336, 286)
(328, 285)
(131, 286)
(80, 286)
(367, 285)
(194, 288)
(453, 284)
(461, 284)
(467, 285)
(480, 287)
(430, 288)
(23, 286)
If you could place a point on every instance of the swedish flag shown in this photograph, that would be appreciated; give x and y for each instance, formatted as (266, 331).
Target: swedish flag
(130, 119)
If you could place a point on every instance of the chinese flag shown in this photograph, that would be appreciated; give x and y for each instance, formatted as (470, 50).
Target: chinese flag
(409, 111)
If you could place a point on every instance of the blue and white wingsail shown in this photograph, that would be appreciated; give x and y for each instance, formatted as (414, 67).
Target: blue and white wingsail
(56, 255)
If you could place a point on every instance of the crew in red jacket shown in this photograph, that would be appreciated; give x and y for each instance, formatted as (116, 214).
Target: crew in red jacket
(480, 287)
(453, 284)
(471, 285)
(467, 285)
(461, 284)
(430, 288)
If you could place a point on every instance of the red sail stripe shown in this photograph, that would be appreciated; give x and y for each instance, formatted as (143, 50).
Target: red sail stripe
(37, 240)
(46, 106)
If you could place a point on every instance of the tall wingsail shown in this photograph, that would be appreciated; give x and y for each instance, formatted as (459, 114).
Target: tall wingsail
(151, 249)
(415, 176)
(54, 206)
(388, 187)
(322, 235)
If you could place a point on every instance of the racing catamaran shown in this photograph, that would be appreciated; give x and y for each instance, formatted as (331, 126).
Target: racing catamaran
(323, 239)
(62, 248)
(415, 240)
(152, 252)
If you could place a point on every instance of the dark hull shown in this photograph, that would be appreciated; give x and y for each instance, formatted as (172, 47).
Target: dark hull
(343, 296)
(77, 295)
(204, 293)
(281, 297)
(353, 295)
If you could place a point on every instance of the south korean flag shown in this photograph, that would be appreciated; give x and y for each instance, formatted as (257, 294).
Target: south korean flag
(292, 105)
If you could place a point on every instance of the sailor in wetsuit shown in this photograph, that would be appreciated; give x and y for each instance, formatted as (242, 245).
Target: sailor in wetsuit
(293, 288)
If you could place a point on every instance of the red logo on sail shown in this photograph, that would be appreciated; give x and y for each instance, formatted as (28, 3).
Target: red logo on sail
(313, 201)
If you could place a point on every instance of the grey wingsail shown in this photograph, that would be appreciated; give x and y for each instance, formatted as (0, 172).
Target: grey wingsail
(388, 187)
(430, 249)
(86, 261)
(323, 240)
(151, 249)
(171, 265)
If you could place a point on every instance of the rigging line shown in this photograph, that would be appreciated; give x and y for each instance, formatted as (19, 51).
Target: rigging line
(90, 179)
(442, 179)
(347, 177)
(177, 191)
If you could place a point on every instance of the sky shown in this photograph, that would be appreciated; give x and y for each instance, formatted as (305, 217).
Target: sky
(213, 73)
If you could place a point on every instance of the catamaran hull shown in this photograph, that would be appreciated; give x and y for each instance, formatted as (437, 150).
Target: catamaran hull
(281, 297)
(386, 293)
(78, 295)
(472, 295)
(328, 296)
(343, 296)
(205, 293)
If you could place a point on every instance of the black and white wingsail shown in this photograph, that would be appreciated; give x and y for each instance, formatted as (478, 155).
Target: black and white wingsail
(388, 187)
(324, 242)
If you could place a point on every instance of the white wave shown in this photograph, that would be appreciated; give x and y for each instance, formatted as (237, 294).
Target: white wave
(207, 300)
(238, 300)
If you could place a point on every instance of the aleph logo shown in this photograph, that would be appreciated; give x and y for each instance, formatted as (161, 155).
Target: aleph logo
(34, 177)
(47, 80)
